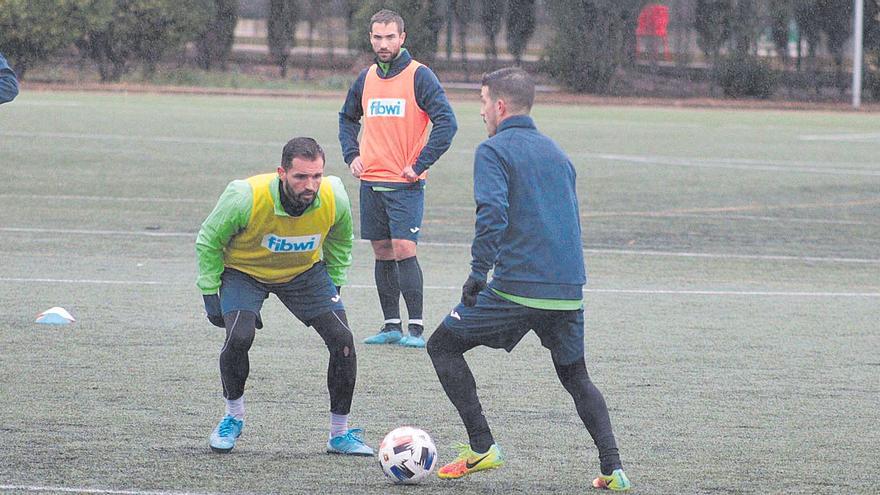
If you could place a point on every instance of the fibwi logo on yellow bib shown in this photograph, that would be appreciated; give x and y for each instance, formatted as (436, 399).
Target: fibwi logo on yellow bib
(386, 107)
(301, 244)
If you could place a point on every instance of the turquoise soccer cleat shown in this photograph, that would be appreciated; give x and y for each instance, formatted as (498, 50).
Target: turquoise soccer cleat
(412, 341)
(225, 434)
(385, 337)
(350, 443)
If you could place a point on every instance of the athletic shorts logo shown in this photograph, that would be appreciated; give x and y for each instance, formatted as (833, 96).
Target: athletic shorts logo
(386, 107)
(455, 315)
(300, 244)
(414, 230)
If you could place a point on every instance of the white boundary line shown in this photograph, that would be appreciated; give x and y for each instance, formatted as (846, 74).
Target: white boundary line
(81, 281)
(107, 198)
(762, 257)
(675, 292)
(817, 221)
(800, 166)
(843, 137)
(147, 233)
(127, 137)
(68, 489)
(683, 292)
(729, 164)
(594, 214)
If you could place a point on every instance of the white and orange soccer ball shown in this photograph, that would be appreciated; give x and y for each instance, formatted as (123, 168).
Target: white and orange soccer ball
(407, 455)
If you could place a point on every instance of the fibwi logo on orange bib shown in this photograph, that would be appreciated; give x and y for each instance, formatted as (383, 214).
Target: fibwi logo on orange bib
(301, 244)
(386, 107)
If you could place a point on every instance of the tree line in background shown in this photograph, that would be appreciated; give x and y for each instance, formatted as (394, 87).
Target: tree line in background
(592, 39)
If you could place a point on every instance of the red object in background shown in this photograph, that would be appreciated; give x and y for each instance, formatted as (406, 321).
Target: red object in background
(653, 20)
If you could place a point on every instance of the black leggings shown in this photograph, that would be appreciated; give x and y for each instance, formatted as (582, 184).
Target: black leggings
(447, 354)
(333, 329)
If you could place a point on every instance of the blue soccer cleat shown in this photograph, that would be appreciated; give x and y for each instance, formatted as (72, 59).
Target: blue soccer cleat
(350, 443)
(412, 341)
(388, 335)
(224, 435)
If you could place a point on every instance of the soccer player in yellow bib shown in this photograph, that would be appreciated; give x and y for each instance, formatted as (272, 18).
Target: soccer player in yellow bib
(287, 233)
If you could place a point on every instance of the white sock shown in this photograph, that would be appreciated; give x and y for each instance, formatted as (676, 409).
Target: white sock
(338, 424)
(235, 408)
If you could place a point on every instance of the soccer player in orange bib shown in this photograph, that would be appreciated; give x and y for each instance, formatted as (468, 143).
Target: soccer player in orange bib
(396, 97)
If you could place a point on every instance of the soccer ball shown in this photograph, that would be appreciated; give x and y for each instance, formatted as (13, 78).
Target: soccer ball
(407, 455)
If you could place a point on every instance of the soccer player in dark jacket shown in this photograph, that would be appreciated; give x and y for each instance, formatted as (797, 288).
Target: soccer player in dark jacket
(528, 233)
(8, 82)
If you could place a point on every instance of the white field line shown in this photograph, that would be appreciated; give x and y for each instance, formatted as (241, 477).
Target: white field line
(752, 218)
(843, 137)
(469, 208)
(689, 213)
(73, 489)
(824, 167)
(128, 137)
(762, 257)
(722, 164)
(650, 292)
(33, 103)
(80, 281)
(654, 292)
(72, 197)
(130, 233)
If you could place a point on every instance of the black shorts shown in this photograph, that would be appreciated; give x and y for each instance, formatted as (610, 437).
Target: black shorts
(498, 323)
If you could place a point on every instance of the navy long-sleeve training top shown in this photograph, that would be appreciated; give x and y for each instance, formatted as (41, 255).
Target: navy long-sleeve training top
(528, 221)
(8, 82)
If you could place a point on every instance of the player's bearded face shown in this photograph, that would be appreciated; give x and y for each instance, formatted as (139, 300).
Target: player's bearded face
(302, 180)
(386, 40)
(488, 111)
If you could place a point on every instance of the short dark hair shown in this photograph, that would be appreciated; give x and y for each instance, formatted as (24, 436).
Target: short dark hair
(386, 16)
(301, 147)
(512, 84)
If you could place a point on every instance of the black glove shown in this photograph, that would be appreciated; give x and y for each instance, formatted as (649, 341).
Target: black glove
(470, 289)
(212, 308)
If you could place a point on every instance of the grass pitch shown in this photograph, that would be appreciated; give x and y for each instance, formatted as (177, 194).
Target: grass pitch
(731, 312)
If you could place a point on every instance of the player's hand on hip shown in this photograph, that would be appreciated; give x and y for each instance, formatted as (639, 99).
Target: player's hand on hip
(470, 289)
(212, 309)
(356, 167)
(410, 174)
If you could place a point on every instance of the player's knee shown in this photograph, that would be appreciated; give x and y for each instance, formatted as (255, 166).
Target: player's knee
(383, 249)
(333, 328)
(241, 330)
(403, 249)
(573, 374)
(343, 344)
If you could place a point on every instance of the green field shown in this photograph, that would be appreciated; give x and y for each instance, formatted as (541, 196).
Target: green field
(732, 309)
